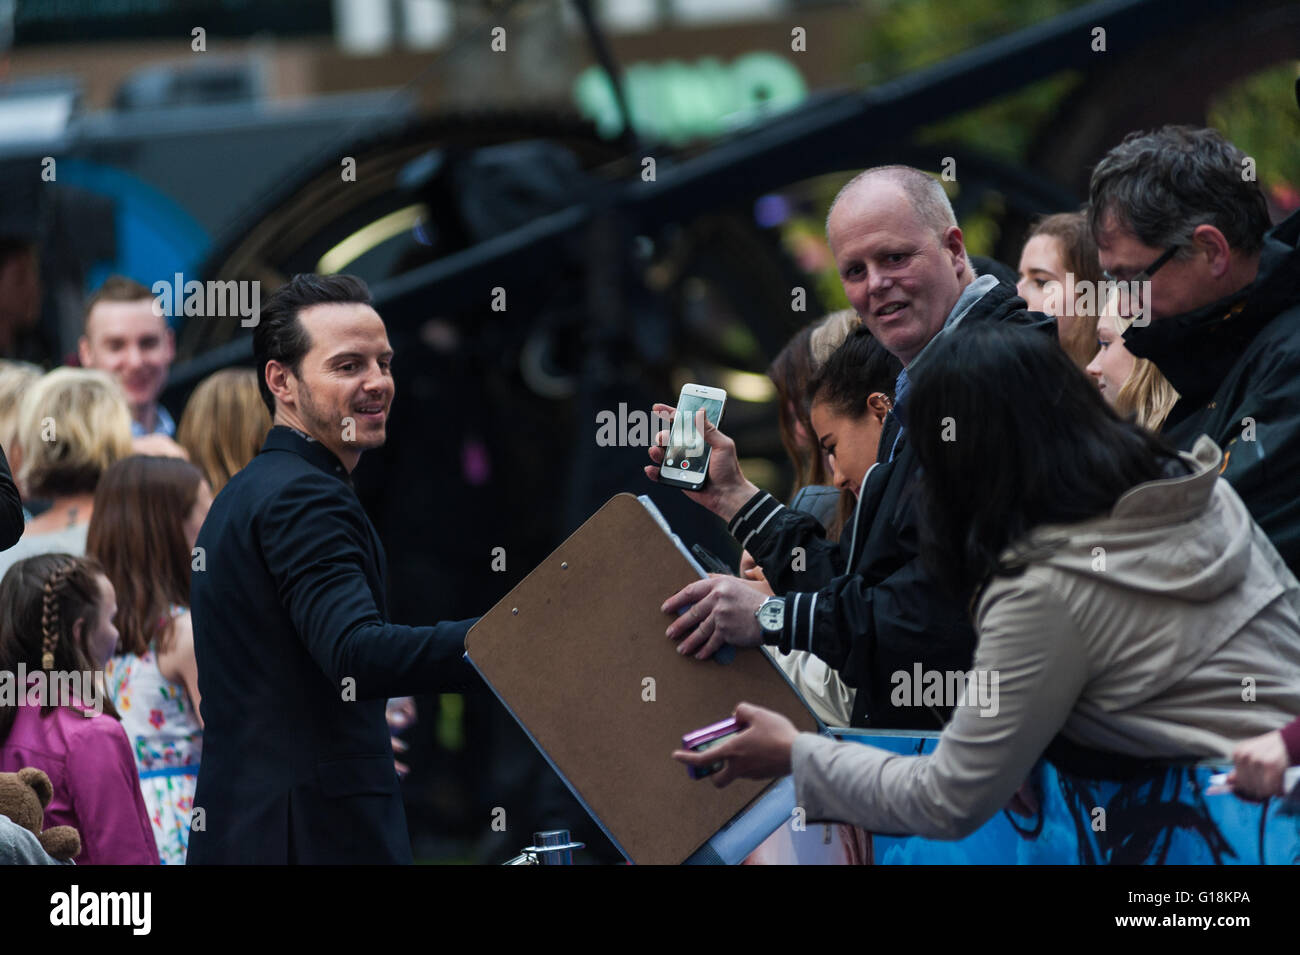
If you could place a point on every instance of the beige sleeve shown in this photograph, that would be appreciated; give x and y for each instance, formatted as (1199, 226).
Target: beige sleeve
(821, 687)
(1035, 667)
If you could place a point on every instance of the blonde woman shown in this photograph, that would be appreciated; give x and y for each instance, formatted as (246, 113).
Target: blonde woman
(73, 424)
(224, 424)
(15, 378)
(828, 334)
(1131, 385)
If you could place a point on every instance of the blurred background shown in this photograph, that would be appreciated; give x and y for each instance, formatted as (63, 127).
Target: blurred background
(647, 180)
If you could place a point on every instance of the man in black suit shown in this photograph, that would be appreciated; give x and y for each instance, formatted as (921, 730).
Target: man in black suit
(11, 507)
(296, 656)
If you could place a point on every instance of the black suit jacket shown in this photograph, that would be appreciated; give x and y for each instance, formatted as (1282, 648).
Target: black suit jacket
(296, 659)
(11, 507)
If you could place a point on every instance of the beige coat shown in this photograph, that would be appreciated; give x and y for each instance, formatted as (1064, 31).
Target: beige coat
(1168, 629)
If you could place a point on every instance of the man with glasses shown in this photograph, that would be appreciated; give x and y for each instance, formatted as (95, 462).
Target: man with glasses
(1178, 209)
(1143, 275)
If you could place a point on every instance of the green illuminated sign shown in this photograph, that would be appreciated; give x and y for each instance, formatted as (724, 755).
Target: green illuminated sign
(675, 101)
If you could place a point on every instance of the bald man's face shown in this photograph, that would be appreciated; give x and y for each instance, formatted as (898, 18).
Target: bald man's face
(900, 277)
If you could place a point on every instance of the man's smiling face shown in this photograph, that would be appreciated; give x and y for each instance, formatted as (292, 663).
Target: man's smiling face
(130, 340)
(346, 386)
(900, 277)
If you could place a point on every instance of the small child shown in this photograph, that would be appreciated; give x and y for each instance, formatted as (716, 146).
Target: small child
(56, 634)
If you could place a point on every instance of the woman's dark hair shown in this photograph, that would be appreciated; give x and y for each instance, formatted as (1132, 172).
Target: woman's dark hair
(280, 336)
(1009, 435)
(856, 370)
(790, 371)
(41, 599)
(137, 535)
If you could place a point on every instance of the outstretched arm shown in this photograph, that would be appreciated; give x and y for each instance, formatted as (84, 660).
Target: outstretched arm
(314, 538)
(1032, 665)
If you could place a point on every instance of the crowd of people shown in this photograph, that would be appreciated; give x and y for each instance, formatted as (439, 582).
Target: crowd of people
(99, 581)
(1085, 493)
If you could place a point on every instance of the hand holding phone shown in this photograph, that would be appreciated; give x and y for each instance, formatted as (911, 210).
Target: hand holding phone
(707, 738)
(686, 461)
(726, 489)
(759, 745)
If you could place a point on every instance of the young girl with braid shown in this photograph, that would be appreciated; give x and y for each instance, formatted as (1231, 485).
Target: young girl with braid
(56, 618)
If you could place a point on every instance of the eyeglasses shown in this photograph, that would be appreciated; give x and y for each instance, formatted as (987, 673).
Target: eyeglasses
(1150, 270)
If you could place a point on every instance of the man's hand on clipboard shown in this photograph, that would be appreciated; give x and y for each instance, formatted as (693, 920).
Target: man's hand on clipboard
(722, 611)
(761, 750)
(726, 488)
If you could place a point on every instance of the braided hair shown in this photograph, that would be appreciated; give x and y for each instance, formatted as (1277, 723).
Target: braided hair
(41, 600)
(50, 593)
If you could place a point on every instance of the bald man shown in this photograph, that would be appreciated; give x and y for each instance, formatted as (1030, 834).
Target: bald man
(865, 605)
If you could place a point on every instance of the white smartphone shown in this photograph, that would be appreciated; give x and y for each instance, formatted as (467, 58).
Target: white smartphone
(686, 462)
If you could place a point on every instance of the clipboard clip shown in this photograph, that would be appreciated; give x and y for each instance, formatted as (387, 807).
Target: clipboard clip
(553, 847)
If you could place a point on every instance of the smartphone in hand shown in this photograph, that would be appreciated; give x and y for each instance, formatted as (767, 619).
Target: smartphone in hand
(686, 461)
(710, 561)
(707, 738)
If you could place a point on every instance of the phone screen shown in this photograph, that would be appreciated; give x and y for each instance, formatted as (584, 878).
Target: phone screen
(686, 447)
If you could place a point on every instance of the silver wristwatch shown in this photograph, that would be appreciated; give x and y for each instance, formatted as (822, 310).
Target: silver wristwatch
(771, 616)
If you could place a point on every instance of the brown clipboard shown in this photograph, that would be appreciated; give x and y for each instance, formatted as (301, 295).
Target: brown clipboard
(577, 653)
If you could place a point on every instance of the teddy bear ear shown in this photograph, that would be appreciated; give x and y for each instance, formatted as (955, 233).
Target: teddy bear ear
(39, 782)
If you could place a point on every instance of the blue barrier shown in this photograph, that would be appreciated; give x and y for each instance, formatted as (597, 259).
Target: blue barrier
(1163, 817)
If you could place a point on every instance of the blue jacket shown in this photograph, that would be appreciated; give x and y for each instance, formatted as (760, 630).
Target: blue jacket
(296, 658)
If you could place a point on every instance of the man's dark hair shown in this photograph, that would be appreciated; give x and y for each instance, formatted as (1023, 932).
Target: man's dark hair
(280, 336)
(1163, 184)
(1010, 434)
(859, 368)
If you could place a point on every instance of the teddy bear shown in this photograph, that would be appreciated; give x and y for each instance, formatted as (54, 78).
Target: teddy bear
(23, 798)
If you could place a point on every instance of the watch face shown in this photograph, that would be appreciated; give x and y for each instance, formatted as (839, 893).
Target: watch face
(771, 616)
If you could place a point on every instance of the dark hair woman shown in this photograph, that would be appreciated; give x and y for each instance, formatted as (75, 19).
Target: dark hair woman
(1009, 462)
(1120, 592)
(793, 371)
(148, 512)
(790, 371)
(850, 397)
(56, 627)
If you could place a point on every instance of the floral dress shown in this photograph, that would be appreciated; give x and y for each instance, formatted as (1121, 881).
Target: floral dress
(166, 740)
